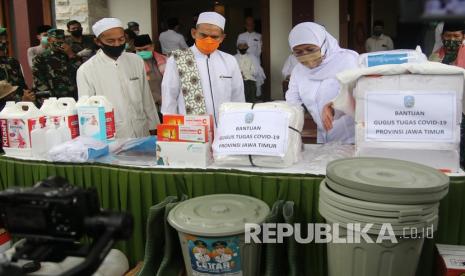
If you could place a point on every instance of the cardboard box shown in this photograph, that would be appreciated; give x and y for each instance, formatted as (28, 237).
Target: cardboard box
(407, 82)
(436, 146)
(442, 156)
(450, 260)
(191, 120)
(183, 154)
(92, 122)
(182, 133)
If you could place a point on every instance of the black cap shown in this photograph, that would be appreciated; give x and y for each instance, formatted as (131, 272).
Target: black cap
(453, 27)
(142, 40)
(219, 243)
(200, 243)
(133, 24)
(43, 29)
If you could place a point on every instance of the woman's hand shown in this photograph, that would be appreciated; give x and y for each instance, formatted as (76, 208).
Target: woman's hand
(328, 116)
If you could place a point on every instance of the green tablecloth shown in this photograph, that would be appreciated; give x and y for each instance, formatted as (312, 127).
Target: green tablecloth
(135, 190)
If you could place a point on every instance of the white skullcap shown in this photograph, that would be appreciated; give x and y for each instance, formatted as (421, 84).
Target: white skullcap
(105, 24)
(213, 18)
(242, 41)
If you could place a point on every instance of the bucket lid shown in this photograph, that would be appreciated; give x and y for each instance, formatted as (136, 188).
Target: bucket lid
(401, 211)
(385, 175)
(332, 215)
(217, 215)
(390, 198)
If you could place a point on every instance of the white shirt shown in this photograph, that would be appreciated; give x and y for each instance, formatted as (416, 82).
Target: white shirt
(32, 52)
(315, 94)
(254, 41)
(123, 82)
(246, 65)
(171, 40)
(381, 43)
(220, 72)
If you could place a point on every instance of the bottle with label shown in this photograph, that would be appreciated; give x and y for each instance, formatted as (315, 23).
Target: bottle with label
(52, 136)
(101, 101)
(65, 131)
(96, 118)
(38, 140)
(16, 122)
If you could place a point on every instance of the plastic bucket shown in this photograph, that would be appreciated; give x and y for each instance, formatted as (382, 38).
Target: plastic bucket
(211, 233)
(399, 200)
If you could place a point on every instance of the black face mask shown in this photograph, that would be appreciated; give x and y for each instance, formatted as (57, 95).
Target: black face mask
(113, 51)
(76, 33)
(242, 51)
(377, 33)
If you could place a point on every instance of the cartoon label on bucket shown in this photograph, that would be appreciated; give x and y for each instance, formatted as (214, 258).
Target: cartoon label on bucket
(215, 256)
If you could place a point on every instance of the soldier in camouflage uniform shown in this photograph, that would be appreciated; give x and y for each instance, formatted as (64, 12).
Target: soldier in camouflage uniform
(55, 69)
(10, 70)
(82, 45)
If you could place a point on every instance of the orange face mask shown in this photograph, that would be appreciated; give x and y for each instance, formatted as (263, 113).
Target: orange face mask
(207, 45)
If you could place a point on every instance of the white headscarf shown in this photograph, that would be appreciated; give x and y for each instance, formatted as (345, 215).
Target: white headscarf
(334, 56)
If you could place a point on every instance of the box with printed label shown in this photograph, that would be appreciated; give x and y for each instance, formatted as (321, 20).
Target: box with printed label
(450, 260)
(183, 154)
(92, 122)
(190, 120)
(183, 133)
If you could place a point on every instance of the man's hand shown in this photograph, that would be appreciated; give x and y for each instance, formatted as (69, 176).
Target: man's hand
(328, 116)
(66, 48)
(28, 96)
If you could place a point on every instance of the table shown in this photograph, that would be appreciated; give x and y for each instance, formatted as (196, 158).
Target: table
(135, 189)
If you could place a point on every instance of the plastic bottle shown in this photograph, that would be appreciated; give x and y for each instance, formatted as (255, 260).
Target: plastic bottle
(38, 140)
(67, 108)
(65, 131)
(109, 114)
(16, 122)
(52, 136)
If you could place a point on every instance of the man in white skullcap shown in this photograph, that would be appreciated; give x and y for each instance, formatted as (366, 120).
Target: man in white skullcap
(254, 40)
(120, 77)
(199, 79)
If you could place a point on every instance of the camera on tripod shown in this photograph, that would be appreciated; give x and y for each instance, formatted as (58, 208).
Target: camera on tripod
(52, 217)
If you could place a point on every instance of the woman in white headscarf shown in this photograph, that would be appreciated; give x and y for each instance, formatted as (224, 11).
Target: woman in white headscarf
(313, 81)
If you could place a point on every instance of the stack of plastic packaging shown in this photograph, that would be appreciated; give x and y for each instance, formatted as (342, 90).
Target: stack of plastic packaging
(293, 148)
(391, 57)
(79, 150)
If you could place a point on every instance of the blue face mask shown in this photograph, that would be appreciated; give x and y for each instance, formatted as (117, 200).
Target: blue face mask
(44, 40)
(145, 54)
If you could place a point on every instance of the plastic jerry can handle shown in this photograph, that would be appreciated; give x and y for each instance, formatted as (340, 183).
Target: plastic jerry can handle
(30, 106)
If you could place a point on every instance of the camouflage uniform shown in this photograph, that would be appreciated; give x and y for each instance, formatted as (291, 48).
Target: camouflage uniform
(87, 43)
(10, 70)
(54, 71)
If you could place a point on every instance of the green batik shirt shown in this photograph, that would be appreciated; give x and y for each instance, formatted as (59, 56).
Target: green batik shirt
(56, 72)
(10, 70)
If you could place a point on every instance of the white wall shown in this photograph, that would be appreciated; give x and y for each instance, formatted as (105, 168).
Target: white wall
(280, 26)
(133, 10)
(327, 14)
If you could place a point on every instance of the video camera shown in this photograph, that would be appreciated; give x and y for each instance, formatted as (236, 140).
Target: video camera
(53, 216)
